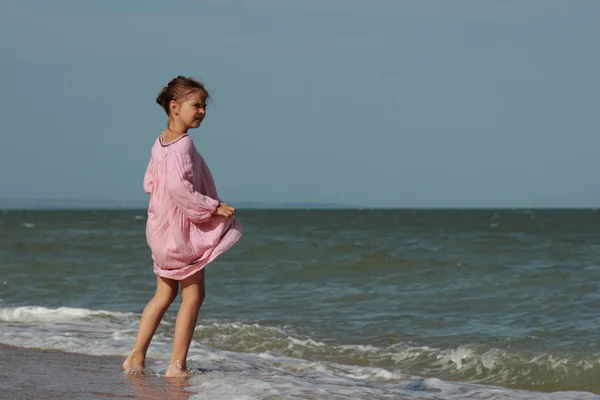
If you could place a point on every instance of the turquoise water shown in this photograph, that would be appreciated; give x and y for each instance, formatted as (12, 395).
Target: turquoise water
(383, 304)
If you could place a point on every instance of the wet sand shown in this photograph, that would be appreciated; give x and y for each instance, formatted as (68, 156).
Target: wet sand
(27, 373)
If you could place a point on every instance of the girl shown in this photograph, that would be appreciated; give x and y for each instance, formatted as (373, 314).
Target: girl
(188, 225)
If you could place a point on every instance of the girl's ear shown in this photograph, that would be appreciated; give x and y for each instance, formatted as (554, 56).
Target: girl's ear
(174, 107)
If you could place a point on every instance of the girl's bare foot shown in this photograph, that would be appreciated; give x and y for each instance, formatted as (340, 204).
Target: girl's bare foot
(174, 370)
(134, 362)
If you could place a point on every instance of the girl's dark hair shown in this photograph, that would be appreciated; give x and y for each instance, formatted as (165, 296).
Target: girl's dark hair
(178, 89)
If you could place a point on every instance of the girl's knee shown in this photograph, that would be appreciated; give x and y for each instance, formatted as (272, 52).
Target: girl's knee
(166, 289)
(166, 296)
(171, 298)
(194, 299)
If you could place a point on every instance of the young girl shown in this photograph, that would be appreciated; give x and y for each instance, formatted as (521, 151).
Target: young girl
(188, 225)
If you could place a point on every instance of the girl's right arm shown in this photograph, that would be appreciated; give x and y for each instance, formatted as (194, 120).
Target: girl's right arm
(149, 178)
(197, 207)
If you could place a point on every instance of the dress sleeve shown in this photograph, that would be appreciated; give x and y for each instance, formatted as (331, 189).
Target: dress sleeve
(149, 177)
(208, 180)
(179, 176)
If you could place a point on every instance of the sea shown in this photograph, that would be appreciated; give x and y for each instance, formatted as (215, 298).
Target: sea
(330, 304)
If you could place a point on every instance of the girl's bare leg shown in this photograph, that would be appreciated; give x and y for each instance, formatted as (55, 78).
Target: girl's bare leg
(166, 291)
(192, 296)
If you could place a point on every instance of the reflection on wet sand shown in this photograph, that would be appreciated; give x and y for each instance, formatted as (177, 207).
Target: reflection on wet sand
(146, 387)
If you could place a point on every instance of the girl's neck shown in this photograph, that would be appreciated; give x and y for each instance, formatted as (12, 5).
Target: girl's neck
(173, 132)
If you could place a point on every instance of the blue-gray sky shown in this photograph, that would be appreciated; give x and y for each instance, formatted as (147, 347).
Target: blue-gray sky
(370, 103)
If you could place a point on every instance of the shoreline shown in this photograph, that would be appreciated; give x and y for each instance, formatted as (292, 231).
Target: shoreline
(35, 373)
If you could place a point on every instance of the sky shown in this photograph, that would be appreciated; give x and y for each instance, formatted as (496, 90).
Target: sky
(381, 103)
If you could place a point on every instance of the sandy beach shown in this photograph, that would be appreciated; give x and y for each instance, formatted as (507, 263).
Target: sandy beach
(27, 373)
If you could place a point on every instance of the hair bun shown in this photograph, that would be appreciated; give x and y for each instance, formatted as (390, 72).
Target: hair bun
(160, 99)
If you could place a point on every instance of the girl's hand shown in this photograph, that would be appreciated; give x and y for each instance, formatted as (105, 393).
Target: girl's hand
(225, 210)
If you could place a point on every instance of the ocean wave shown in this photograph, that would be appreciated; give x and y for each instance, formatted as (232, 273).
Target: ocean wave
(543, 371)
(475, 363)
(102, 332)
(60, 314)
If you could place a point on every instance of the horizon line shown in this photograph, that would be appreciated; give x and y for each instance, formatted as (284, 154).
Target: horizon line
(24, 205)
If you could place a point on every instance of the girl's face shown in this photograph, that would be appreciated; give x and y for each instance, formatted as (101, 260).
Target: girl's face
(191, 111)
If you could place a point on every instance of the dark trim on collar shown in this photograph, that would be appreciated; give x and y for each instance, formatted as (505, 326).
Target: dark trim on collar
(170, 143)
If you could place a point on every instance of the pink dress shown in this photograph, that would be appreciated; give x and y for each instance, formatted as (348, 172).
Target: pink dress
(182, 232)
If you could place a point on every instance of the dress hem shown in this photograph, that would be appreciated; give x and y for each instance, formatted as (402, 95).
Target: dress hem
(231, 237)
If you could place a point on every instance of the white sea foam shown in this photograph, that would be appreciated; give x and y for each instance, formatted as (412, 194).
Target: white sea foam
(269, 374)
(37, 313)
